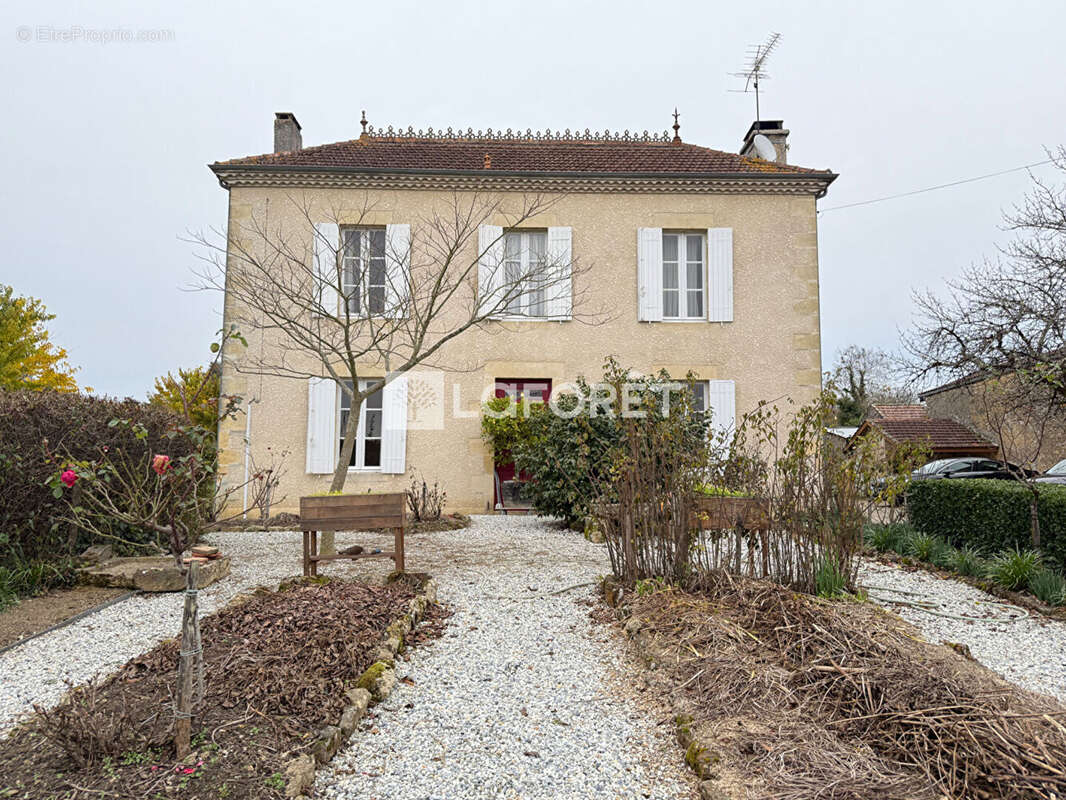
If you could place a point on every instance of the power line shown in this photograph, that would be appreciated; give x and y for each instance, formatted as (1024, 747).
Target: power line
(940, 186)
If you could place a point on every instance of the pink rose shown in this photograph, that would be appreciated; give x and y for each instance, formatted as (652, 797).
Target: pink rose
(161, 464)
(69, 477)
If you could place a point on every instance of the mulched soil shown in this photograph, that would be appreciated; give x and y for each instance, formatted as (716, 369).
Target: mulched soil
(277, 665)
(782, 695)
(34, 614)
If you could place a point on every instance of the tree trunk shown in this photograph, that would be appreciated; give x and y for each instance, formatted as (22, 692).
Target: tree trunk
(188, 656)
(1034, 518)
(340, 474)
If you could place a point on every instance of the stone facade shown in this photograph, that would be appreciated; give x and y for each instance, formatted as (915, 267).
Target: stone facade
(771, 349)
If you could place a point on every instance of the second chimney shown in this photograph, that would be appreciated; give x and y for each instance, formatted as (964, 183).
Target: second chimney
(772, 129)
(287, 135)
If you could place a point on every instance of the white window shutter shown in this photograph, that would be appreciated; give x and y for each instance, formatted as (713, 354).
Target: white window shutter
(327, 240)
(490, 267)
(720, 274)
(394, 426)
(650, 274)
(722, 402)
(559, 258)
(397, 269)
(323, 443)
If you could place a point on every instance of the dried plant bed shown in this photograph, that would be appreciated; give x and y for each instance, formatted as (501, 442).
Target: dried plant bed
(281, 670)
(783, 695)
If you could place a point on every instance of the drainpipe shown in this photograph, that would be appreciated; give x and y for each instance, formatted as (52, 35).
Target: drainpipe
(247, 451)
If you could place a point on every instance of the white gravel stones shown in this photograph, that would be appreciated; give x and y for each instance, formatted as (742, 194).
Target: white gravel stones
(522, 698)
(1029, 652)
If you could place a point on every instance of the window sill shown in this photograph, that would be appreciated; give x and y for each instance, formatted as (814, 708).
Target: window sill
(530, 319)
(364, 469)
(684, 319)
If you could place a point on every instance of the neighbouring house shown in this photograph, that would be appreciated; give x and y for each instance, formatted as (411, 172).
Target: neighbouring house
(706, 260)
(1029, 437)
(912, 424)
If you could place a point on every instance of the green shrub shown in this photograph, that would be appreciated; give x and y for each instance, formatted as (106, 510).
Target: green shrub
(943, 554)
(829, 579)
(922, 546)
(37, 431)
(1049, 587)
(892, 536)
(989, 515)
(968, 561)
(1013, 569)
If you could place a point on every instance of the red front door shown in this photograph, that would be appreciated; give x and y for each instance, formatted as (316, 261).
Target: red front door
(534, 390)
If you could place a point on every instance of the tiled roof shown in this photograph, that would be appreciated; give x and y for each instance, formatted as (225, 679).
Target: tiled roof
(939, 434)
(900, 412)
(587, 156)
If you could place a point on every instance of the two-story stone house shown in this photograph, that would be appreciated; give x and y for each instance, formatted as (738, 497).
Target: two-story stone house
(707, 261)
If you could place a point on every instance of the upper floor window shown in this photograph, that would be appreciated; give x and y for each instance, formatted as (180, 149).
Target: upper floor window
(367, 452)
(364, 275)
(683, 272)
(523, 267)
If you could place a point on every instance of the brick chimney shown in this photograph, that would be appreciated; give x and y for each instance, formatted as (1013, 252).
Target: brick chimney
(772, 129)
(286, 132)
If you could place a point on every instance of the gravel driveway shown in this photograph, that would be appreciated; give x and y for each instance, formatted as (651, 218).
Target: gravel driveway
(523, 697)
(1030, 652)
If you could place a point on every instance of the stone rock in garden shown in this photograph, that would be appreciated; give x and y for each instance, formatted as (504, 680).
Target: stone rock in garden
(151, 574)
(97, 554)
(359, 699)
(594, 531)
(379, 679)
(354, 550)
(299, 775)
(326, 744)
(205, 551)
(349, 719)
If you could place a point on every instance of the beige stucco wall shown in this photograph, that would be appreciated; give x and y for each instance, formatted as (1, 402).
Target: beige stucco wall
(771, 350)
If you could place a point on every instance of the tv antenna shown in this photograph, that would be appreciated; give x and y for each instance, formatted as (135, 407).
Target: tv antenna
(756, 69)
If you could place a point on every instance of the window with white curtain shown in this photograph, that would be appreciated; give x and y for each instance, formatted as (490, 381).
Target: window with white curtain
(364, 275)
(523, 273)
(367, 452)
(683, 271)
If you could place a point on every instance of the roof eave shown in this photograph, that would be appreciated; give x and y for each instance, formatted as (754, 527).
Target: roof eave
(827, 177)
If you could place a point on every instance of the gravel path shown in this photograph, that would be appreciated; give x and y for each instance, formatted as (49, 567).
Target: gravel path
(523, 697)
(1030, 652)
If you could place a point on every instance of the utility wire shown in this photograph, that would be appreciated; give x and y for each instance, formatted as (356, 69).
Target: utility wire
(940, 186)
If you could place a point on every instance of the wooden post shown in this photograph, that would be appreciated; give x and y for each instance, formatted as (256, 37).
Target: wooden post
(187, 656)
(398, 548)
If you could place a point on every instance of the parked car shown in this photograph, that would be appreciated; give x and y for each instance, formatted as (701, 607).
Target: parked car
(944, 468)
(1057, 474)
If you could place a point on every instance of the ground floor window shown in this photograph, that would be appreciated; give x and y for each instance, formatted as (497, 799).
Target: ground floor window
(367, 452)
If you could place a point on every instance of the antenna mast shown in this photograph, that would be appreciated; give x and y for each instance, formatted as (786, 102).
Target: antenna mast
(756, 69)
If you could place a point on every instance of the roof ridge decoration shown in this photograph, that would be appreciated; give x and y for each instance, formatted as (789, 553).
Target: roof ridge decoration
(511, 135)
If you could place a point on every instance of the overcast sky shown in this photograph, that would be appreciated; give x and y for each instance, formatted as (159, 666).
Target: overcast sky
(104, 145)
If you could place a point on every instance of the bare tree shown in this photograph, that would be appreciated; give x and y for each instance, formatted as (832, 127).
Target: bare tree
(1001, 330)
(865, 376)
(331, 293)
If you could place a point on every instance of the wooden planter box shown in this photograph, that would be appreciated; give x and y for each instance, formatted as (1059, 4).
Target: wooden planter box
(351, 512)
(729, 513)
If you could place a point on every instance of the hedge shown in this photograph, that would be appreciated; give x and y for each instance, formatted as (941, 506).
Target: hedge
(37, 429)
(989, 515)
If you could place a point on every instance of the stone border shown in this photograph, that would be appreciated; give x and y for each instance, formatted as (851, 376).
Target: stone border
(373, 686)
(700, 755)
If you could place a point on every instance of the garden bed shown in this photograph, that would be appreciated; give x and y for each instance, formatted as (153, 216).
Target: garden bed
(784, 695)
(278, 666)
(35, 614)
